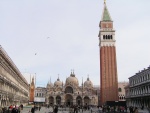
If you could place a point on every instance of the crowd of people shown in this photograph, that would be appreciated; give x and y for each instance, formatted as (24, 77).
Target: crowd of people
(11, 109)
(53, 109)
(133, 109)
(73, 109)
(98, 109)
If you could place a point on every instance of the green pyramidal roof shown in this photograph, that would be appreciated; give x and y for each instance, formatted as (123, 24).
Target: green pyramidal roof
(106, 16)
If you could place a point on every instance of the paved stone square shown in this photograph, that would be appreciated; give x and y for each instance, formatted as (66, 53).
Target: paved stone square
(46, 110)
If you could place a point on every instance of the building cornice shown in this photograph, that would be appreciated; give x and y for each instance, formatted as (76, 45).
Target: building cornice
(12, 65)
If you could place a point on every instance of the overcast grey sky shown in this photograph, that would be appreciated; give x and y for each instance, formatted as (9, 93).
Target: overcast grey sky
(51, 37)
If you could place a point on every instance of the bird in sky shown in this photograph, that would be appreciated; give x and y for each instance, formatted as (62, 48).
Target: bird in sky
(35, 53)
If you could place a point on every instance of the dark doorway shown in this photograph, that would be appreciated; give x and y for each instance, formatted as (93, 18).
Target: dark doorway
(79, 102)
(68, 103)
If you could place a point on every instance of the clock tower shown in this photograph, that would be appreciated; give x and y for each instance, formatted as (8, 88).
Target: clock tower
(108, 63)
(32, 90)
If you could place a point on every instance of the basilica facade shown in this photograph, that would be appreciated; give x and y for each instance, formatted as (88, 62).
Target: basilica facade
(70, 93)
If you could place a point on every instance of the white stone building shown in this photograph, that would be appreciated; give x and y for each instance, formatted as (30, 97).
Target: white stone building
(14, 88)
(121, 90)
(39, 97)
(138, 90)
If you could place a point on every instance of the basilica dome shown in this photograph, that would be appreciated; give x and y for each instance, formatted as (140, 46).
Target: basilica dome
(88, 83)
(72, 80)
(49, 85)
(58, 83)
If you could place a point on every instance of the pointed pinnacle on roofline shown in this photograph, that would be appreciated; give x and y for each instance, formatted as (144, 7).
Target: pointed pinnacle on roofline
(104, 1)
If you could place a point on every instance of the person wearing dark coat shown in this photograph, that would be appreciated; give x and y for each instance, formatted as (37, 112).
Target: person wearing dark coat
(56, 109)
(39, 108)
(33, 109)
(21, 106)
(14, 110)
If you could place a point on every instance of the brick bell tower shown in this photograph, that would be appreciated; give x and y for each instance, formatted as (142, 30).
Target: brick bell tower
(32, 90)
(108, 63)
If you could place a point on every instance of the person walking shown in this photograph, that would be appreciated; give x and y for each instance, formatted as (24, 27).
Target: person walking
(100, 109)
(21, 106)
(33, 109)
(50, 109)
(131, 109)
(56, 109)
(39, 108)
(1, 111)
(91, 109)
(19, 109)
(14, 110)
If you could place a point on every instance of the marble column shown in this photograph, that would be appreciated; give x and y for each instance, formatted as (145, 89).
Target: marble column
(74, 101)
(54, 100)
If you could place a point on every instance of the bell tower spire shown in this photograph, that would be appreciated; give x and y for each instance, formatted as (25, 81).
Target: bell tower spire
(104, 1)
(105, 16)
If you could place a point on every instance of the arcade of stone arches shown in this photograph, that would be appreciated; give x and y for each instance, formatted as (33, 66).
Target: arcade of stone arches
(69, 100)
(4, 100)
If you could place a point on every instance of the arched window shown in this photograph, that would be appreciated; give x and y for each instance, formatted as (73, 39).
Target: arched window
(111, 37)
(69, 89)
(108, 36)
(120, 98)
(119, 90)
(58, 100)
(103, 36)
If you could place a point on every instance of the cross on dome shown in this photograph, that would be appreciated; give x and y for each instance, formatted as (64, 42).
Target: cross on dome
(58, 78)
(88, 78)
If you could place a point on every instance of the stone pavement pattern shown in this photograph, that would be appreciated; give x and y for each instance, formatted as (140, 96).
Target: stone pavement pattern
(46, 110)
